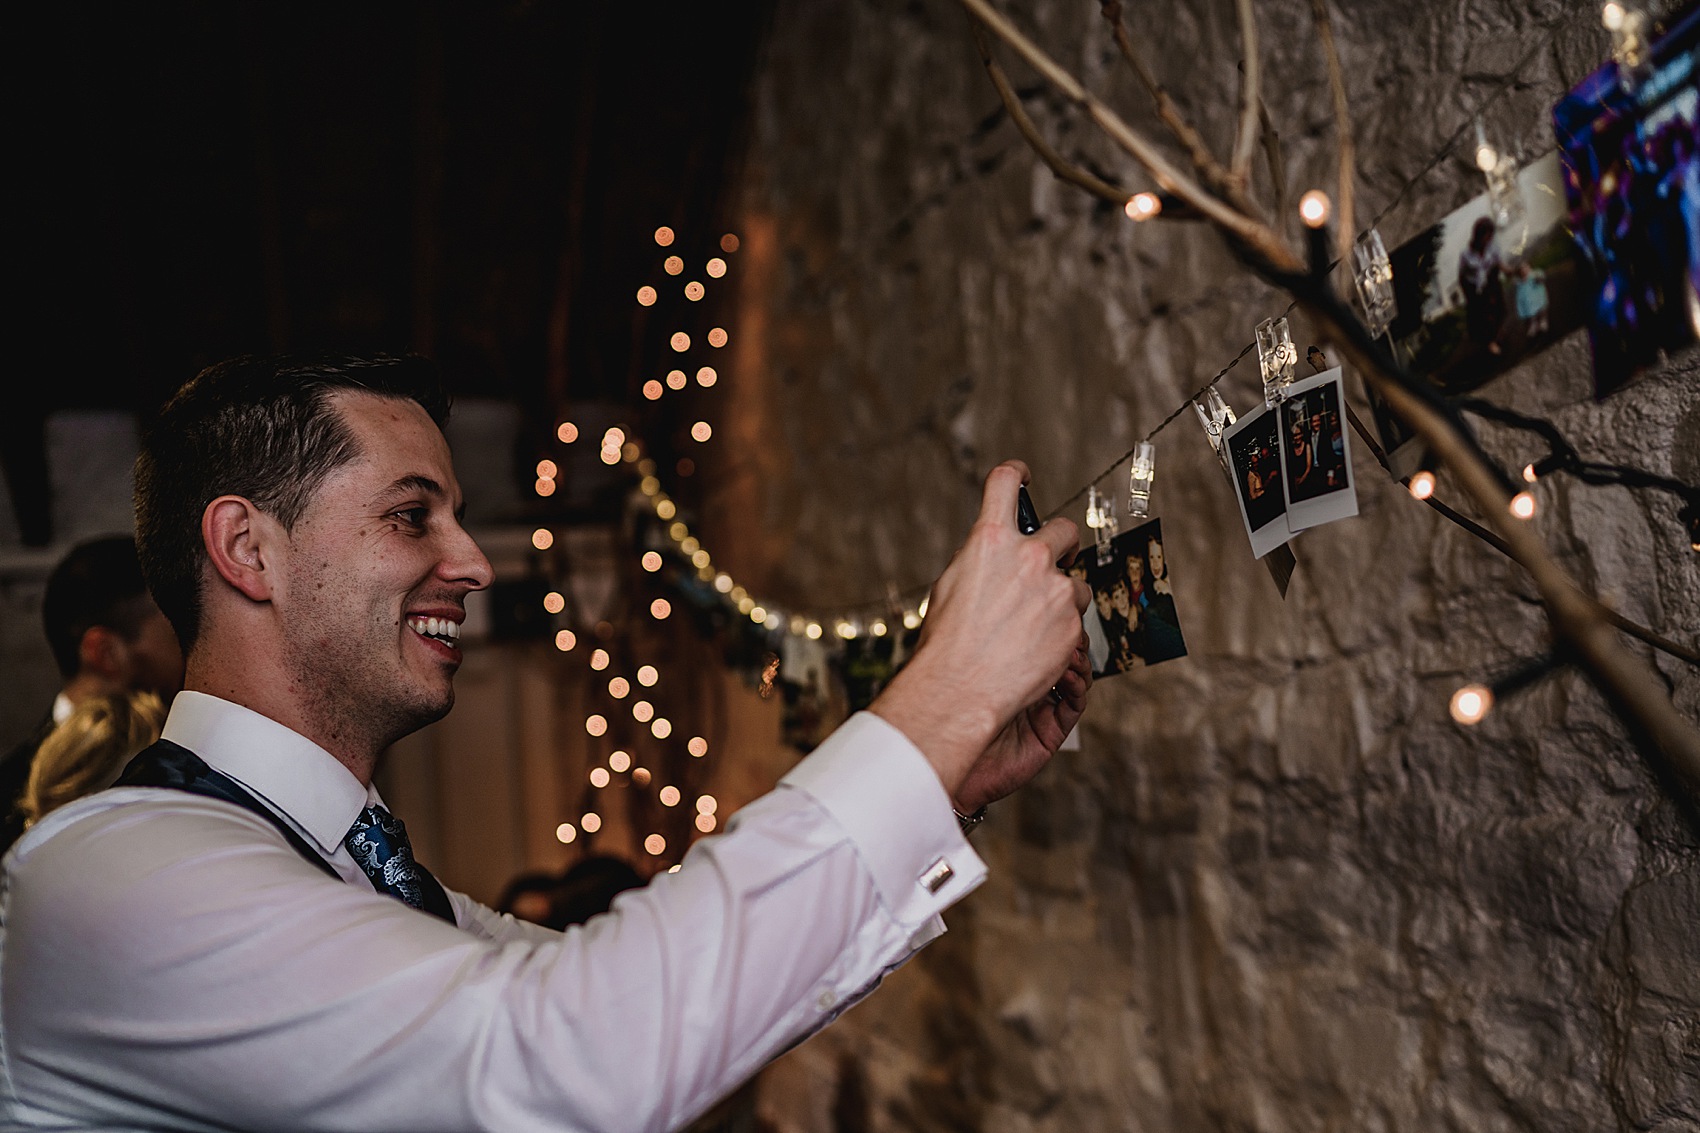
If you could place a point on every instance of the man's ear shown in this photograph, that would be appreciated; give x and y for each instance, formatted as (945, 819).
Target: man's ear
(242, 543)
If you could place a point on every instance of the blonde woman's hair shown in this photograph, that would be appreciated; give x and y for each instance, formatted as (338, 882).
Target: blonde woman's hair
(88, 751)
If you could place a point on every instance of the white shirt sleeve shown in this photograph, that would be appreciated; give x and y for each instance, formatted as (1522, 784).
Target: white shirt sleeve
(168, 961)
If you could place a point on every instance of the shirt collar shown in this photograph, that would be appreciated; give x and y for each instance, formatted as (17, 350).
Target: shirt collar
(62, 709)
(292, 774)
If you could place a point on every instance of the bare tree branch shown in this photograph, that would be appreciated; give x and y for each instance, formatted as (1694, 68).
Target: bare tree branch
(1346, 227)
(1167, 176)
(1272, 155)
(1250, 94)
(1060, 165)
(1577, 620)
(1212, 172)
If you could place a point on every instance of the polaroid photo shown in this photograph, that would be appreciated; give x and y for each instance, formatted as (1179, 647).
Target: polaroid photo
(1488, 286)
(1630, 146)
(1316, 454)
(1253, 445)
(1132, 621)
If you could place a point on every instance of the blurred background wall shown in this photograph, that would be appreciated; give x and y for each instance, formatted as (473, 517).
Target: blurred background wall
(1276, 888)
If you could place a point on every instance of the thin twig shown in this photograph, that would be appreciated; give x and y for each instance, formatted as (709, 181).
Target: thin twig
(1250, 94)
(1213, 173)
(1060, 165)
(1343, 127)
(1272, 155)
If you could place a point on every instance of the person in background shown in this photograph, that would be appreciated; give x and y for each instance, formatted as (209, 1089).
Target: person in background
(108, 638)
(86, 752)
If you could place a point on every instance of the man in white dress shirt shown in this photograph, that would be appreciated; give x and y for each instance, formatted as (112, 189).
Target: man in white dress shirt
(169, 960)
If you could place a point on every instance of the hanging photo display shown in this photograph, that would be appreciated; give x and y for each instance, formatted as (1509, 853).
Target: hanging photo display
(1132, 621)
(1629, 139)
(1316, 457)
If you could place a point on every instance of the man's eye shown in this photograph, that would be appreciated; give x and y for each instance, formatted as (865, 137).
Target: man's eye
(412, 516)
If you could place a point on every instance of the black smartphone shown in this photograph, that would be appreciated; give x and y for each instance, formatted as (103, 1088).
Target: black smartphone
(1026, 515)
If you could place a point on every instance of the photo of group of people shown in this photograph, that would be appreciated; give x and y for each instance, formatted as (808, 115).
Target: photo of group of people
(1292, 465)
(1132, 621)
(1632, 181)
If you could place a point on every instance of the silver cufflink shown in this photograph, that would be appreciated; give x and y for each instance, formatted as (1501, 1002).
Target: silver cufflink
(933, 879)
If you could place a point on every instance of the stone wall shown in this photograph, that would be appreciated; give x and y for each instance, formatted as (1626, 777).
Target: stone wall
(1277, 889)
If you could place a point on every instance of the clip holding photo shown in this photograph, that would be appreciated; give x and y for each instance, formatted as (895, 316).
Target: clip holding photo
(1278, 358)
(1372, 274)
(1101, 518)
(1140, 478)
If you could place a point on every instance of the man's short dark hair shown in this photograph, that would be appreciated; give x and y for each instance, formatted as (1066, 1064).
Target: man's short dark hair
(97, 583)
(260, 428)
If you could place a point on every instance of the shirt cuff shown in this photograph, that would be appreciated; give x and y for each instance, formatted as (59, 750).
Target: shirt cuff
(882, 791)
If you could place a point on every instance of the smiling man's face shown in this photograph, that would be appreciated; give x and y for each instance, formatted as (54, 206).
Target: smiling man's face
(376, 576)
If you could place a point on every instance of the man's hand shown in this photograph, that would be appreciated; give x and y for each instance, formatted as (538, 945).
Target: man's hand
(1003, 629)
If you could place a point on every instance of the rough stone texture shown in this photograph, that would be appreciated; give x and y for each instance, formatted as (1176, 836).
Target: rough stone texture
(1277, 889)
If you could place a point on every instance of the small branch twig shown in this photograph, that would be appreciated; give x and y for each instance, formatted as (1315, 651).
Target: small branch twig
(1343, 126)
(1272, 155)
(1060, 165)
(1251, 95)
(1213, 173)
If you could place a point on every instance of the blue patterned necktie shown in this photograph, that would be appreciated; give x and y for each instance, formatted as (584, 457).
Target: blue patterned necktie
(379, 843)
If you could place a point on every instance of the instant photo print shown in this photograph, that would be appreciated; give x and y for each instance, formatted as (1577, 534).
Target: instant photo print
(1487, 287)
(1631, 168)
(1132, 621)
(1316, 455)
(1253, 445)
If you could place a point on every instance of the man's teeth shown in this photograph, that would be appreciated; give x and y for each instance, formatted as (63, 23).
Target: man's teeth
(435, 627)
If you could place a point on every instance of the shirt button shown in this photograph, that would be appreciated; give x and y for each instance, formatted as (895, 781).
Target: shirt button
(826, 1000)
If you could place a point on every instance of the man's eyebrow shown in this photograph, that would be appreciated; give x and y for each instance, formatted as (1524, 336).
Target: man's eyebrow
(419, 484)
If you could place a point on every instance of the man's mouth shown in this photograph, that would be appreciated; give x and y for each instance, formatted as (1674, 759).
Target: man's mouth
(437, 629)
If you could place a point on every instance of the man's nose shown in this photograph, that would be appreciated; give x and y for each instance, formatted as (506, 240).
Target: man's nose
(464, 562)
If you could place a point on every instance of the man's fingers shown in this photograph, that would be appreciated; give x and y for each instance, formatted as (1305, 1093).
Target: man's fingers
(1003, 484)
(1062, 536)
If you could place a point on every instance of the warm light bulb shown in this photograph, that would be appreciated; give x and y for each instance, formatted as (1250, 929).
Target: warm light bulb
(542, 539)
(647, 676)
(665, 509)
(544, 487)
(565, 640)
(1529, 473)
(845, 630)
(1143, 206)
(646, 296)
(878, 628)
(565, 833)
(757, 614)
(567, 433)
(699, 558)
(599, 660)
(676, 379)
(673, 265)
(773, 620)
(1486, 158)
(701, 431)
(680, 341)
(723, 583)
(697, 746)
(1523, 505)
(1612, 17)
(693, 291)
(678, 532)
(655, 844)
(706, 823)
(619, 688)
(592, 822)
(629, 452)
(661, 728)
(554, 602)
(610, 456)
(620, 761)
(1422, 485)
(595, 724)
(599, 777)
(660, 608)
(707, 805)
(651, 561)
(668, 795)
(689, 545)
(1314, 208)
(641, 776)
(716, 267)
(911, 620)
(546, 469)
(649, 485)
(652, 390)
(707, 377)
(729, 243)
(812, 632)
(664, 236)
(717, 338)
(1471, 703)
